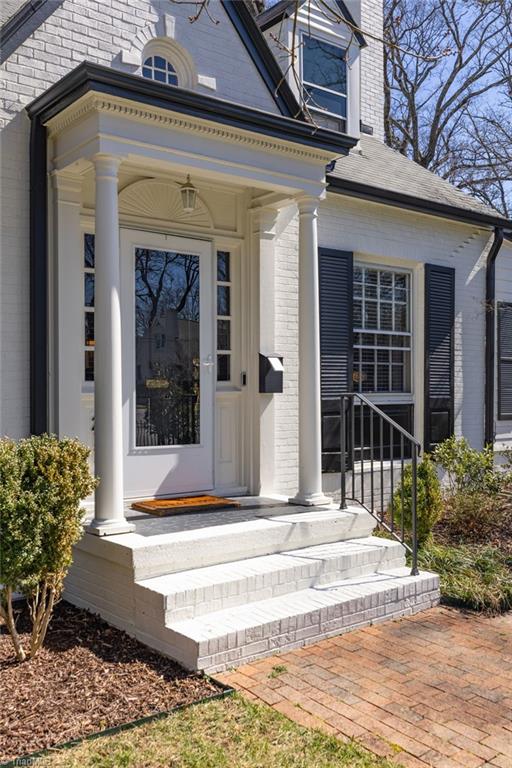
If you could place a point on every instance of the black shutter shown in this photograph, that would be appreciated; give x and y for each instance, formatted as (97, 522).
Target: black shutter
(336, 341)
(504, 360)
(439, 353)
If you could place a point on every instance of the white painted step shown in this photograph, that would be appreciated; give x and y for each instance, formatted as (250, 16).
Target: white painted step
(192, 593)
(224, 639)
(169, 553)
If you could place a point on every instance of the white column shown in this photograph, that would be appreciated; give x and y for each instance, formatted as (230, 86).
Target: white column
(108, 430)
(310, 423)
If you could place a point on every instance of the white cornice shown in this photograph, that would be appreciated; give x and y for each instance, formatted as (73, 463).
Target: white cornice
(101, 104)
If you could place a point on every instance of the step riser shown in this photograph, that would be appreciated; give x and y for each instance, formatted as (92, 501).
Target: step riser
(232, 649)
(240, 542)
(246, 654)
(187, 605)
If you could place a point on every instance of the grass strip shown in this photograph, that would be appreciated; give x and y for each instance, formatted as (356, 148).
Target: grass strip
(219, 734)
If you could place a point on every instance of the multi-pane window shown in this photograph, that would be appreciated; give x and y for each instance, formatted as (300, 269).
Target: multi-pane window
(382, 332)
(224, 316)
(324, 77)
(89, 307)
(159, 69)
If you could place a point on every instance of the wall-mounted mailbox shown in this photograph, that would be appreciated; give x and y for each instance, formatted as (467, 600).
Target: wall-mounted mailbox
(271, 374)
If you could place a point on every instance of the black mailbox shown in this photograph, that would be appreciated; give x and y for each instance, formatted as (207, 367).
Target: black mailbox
(271, 374)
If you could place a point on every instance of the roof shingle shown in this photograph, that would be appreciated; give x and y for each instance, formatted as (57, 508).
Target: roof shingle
(375, 165)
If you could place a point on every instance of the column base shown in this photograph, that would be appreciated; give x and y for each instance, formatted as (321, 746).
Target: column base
(109, 527)
(310, 500)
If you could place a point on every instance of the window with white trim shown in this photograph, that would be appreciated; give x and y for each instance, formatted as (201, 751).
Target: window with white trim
(88, 307)
(324, 78)
(382, 330)
(160, 69)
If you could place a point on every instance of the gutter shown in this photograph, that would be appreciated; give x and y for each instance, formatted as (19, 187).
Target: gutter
(38, 277)
(490, 333)
(350, 188)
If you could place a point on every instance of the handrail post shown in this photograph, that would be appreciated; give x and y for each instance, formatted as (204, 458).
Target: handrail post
(414, 493)
(343, 452)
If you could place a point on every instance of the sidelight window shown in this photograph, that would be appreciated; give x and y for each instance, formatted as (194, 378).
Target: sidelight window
(224, 311)
(89, 307)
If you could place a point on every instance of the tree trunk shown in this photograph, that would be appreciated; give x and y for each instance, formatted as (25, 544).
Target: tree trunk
(42, 609)
(8, 616)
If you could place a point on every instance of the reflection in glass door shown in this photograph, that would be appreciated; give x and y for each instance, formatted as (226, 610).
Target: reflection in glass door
(167, 353)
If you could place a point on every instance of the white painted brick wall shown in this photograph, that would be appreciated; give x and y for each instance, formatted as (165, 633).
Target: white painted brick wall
(504, 293)
(369, 15)
(96, 31)
(286, 413)
(372, 77)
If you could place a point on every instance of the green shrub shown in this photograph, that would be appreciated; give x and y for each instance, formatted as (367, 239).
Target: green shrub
(472, 518)
(479, 578)
(468, 470)
(429, 502)
(42, 481)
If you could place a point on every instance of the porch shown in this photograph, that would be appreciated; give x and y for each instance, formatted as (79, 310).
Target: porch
(180, 300)
(162, 302)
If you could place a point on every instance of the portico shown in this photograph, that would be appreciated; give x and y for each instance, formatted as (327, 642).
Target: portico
(112, 144)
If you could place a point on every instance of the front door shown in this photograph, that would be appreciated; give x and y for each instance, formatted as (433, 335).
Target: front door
(168, 364)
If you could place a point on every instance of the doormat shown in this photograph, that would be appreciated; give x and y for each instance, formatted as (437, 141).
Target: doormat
(178, 506)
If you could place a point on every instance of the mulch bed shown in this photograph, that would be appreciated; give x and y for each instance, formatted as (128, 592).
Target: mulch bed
(88, 677)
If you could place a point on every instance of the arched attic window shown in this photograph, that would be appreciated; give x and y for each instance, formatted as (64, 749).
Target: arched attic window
(160, 69)
(165, 61)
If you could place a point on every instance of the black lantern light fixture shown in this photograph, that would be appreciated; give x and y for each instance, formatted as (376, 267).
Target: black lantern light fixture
(188, 195)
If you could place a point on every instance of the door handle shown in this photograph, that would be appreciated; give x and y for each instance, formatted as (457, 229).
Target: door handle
(209, 362)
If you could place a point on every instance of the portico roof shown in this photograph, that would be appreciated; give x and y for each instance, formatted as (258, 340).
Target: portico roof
(88, 77)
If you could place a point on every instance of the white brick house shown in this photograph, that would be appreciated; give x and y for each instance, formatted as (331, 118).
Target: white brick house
(158, 329)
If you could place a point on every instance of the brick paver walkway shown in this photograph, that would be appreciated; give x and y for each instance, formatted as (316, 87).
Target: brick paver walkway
(433, 689)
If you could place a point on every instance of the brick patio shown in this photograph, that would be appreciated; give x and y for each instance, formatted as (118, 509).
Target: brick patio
(433, 689)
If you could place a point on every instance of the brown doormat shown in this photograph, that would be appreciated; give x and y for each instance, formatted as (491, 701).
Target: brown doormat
(166, 507)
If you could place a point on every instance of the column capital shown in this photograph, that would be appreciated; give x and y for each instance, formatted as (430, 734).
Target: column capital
(106, 166)
(264, 219)
(307, 204)
(67, 185)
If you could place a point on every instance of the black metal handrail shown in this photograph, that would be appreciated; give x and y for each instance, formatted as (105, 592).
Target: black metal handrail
(407, 447)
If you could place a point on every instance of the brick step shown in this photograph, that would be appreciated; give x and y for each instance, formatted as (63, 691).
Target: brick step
(264, 535)
(226, 638)
(195, 592)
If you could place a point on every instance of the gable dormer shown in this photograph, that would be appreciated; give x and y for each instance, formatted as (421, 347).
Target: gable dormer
(326, 76)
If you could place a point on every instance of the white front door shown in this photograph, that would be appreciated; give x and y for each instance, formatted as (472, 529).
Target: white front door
(168, 364)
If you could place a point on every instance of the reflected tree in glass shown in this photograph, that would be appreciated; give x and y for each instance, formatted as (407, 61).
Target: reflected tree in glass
(167, 347)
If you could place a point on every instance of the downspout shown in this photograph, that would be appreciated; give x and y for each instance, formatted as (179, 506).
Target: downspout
(38, 278)
(490, 334)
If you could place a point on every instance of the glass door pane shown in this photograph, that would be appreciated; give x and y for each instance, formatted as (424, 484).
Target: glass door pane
(167, 354)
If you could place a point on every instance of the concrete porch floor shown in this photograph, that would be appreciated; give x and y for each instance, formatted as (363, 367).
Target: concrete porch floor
(251, 508)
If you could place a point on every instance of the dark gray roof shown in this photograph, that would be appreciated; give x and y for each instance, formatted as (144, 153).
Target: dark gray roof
(376, 168)
(8, 8)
